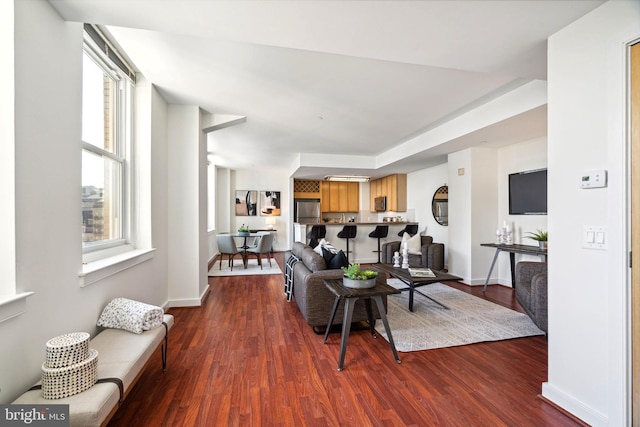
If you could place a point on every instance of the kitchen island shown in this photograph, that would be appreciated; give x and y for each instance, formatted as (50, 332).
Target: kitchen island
(362, 247)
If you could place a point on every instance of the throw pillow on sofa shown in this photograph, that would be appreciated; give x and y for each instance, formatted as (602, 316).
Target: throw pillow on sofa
(327, 255)
(414, 245)
(339, 260)
(323, 244)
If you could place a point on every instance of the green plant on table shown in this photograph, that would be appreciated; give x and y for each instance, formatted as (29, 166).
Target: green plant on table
(243, 229)
(354, 272)
(539, 235)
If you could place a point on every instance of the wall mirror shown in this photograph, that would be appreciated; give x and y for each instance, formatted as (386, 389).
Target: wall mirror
(440, 205)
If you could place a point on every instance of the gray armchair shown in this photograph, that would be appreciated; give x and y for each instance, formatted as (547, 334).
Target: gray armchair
(531, 291)
(227, 246)
(431, 254)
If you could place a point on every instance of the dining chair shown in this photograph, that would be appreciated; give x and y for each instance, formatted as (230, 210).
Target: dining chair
(263, 247)
(256, 239)
(227, 246)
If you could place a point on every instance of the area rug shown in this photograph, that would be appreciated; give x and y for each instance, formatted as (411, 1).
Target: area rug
(469, 319)
(239, 270)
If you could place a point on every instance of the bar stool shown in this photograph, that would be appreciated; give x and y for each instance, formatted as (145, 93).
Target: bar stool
(380, 232)
(317, 232)
(348, 232)
(412, 229)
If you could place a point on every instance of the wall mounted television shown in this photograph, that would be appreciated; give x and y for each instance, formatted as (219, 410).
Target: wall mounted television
(528, 192)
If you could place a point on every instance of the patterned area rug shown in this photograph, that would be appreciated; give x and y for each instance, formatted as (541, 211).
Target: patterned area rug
(469, 319)
(239, 270)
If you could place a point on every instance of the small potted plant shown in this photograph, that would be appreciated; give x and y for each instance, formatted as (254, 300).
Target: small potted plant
(354, 277)
(243, 230)
(539, 236)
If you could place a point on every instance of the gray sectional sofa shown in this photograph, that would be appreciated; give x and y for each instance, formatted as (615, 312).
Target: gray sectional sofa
(313, 298)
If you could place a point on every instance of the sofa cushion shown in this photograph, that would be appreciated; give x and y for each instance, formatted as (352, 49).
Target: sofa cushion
(308, 257)
(339, 260)
(323, 244)
(327, 255)
(414, 245)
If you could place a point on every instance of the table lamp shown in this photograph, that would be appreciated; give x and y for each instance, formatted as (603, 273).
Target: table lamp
(270, 223)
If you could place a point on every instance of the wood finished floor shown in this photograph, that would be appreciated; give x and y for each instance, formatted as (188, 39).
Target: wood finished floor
(247, 357)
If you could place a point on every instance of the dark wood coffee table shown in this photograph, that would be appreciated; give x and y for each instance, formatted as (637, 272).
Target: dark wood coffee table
(414, 282)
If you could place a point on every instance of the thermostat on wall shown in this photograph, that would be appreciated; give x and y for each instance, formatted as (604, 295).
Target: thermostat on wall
(595, 179)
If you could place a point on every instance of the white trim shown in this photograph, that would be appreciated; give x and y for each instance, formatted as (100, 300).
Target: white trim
(574, 406)
(97, 270)
(189, 302)
(13, 305)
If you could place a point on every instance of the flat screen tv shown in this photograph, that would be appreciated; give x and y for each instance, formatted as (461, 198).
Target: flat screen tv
(528, 193)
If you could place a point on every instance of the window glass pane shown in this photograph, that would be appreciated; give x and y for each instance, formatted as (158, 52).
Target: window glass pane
(101, 198)
(98, 97)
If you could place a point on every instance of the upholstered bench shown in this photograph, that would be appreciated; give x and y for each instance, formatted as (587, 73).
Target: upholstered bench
(122, 355)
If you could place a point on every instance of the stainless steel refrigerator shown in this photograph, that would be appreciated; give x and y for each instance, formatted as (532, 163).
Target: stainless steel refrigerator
(307, 211)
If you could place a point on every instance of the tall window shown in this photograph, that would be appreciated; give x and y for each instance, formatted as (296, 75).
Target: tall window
(106, 147)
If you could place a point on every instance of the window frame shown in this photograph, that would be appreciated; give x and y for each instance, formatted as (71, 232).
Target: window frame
(123, 142)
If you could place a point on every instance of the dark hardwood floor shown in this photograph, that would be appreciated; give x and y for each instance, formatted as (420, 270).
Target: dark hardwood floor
(247, 357)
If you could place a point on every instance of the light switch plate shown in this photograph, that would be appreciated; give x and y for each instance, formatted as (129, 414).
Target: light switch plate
(594, 237)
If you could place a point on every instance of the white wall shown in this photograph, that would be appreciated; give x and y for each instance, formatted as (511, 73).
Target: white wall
(421, 186)
(263, 180)
(187, 208)
(47, 168)
(473, 211)
(459, 255)
(7, 150)
(524, 156)
(478, 205)
(588, 297)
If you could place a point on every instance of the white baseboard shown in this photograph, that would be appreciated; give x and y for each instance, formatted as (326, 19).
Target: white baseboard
(577, 408)
(188, 302)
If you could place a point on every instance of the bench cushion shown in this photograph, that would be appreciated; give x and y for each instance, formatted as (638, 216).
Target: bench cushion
(121, 354)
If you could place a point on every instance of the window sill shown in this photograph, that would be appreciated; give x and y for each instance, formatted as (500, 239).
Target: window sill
(97, 270)
(13, 305)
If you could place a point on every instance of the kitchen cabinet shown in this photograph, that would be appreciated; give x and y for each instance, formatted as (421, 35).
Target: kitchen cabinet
(340, 196)
(325, 202)
(306, 189)
(394, 187)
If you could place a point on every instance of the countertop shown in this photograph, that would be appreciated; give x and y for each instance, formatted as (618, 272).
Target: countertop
(358, 223)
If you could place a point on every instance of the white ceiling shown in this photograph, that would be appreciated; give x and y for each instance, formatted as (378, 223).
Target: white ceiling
(340, 86)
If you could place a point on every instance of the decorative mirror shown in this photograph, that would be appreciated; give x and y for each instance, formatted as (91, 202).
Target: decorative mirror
(440, 205)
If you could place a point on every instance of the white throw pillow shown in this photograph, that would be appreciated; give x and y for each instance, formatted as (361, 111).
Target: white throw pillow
(324, 244)
(318, 248)
(414, 244)
(328, 246)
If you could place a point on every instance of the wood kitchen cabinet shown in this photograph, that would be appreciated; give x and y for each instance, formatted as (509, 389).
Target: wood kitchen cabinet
(306, 189)
(340, 196)
(394, 187)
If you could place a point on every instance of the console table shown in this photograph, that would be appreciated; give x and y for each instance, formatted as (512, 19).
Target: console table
(513, 250)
